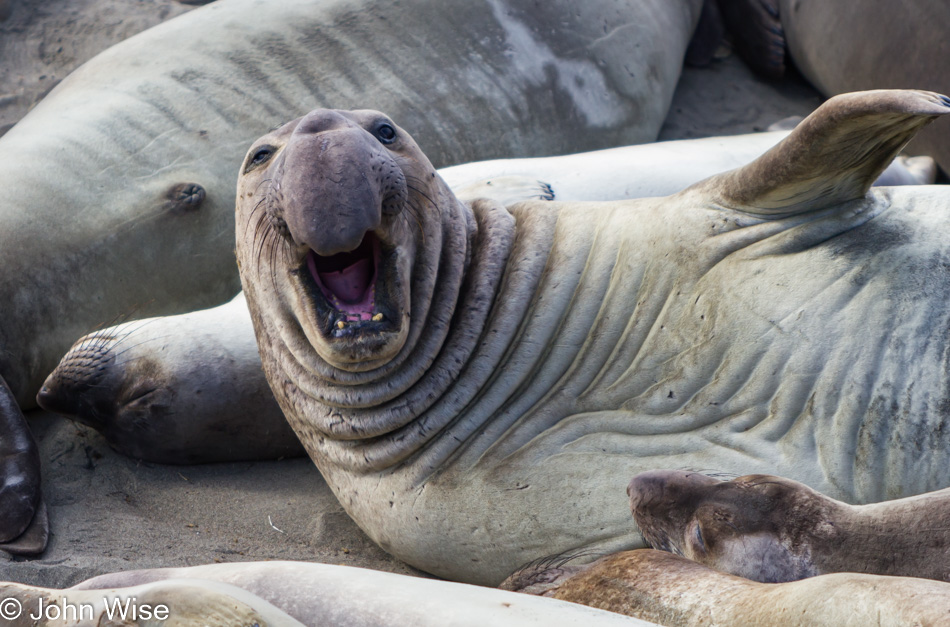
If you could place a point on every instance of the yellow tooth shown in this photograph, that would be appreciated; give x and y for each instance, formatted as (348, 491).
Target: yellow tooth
(377, 317)
(340, 324)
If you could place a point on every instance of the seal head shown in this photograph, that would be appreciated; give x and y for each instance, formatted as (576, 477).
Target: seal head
(759, 527)
(345, 192)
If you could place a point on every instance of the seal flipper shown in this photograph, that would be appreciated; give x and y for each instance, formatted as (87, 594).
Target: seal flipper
(20, 503)
(832, 157)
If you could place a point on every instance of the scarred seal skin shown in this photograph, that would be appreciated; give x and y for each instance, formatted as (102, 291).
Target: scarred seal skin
(434, 356)
(772, 529)
(674, 591)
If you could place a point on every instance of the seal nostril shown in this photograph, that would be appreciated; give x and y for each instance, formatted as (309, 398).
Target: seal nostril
(185, 197)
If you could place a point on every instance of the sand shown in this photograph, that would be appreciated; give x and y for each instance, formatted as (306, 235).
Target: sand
(109, 512)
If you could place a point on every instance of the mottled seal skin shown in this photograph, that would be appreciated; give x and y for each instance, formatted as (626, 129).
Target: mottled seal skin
(772, 529)
(344, 596)
(434, 356)
(674, 591)
(121, 195)
(165, 396)
(24, 528)
(189, 388)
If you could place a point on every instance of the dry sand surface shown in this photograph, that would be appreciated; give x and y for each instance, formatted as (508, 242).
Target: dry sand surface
(109, 512)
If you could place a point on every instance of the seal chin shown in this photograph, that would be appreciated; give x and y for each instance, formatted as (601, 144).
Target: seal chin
(356, 301)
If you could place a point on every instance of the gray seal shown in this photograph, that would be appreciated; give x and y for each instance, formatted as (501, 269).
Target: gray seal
(772, 529)
(434, 356)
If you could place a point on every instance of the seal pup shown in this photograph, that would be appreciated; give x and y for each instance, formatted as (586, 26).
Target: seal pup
(434, 356)
(772, 529)
(189, 388)
(674, 591)
(325, 594)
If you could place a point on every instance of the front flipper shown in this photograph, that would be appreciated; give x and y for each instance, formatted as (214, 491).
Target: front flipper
(832, 157)
(24, 527)
(506, 190)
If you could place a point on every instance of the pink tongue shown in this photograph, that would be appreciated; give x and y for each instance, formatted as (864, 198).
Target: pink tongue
(349, 284)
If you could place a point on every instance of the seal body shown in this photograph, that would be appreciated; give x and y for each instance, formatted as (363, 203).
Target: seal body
(672, 590)
(441, 356)
(772, 529)
(190, 388)
(322, 594)
(121, 195)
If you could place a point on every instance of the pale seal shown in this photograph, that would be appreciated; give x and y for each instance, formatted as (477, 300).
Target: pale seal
(163, 395)
(434, 356)
(772, 529)
(677, 592)
(189, 388)
(324, 594)
(170, 602)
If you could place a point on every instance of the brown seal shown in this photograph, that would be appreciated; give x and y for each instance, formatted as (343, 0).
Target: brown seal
(674, 591)
(772, 529)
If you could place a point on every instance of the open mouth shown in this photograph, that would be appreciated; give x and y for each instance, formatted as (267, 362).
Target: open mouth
(348, 283)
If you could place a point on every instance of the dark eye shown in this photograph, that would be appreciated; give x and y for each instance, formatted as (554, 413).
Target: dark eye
(386, 133)
(262, 155)
(696, 539)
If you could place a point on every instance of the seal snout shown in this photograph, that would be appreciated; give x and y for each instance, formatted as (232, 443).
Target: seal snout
(73, 386)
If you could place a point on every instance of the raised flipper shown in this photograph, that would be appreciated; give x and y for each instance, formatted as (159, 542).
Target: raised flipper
(24, 528)
(832, 157)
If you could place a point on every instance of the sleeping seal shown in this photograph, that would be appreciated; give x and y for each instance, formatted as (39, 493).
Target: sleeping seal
(435, 356)
(344, 596)
(677, 592)
(772, 529)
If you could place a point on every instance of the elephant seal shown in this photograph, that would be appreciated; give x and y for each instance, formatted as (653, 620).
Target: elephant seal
(189, 388)
(162, 396)
(674, 591)
(434, 356)
(884, 45)
(772, 529)
(324, 594)
(139, 146)
(24, 528)
(170, 602)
